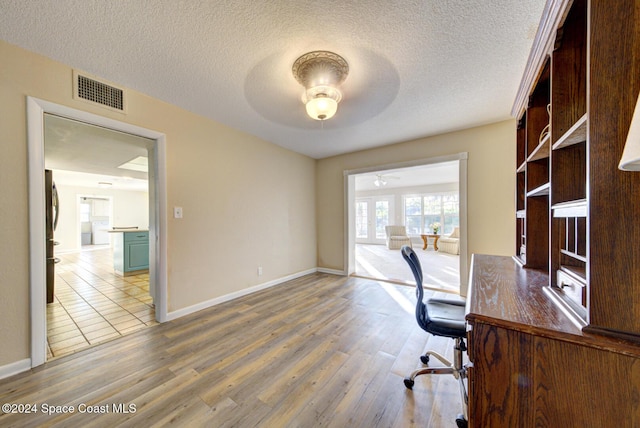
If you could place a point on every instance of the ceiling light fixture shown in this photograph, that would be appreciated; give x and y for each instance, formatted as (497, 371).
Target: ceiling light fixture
(379, 181)
(321, 72)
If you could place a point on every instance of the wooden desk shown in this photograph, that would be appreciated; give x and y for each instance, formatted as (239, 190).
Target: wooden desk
(532, 366)
(426, 244)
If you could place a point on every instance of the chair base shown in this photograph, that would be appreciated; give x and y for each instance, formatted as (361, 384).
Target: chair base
(457, 369)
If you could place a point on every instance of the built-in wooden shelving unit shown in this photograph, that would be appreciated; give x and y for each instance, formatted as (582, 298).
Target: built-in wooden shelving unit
(565, 315)
(576, 212)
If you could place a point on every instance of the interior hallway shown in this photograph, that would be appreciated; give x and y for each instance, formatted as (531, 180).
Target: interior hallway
(92, 304)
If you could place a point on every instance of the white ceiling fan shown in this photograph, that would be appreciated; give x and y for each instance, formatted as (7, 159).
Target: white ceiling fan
(381, 179)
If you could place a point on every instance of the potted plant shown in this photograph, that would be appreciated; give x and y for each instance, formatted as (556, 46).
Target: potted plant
(435, 226)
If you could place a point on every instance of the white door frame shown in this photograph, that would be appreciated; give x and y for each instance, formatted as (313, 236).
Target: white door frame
(349, 203)
(36, 108)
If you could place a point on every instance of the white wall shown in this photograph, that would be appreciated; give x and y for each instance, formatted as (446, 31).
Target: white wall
(130, 208)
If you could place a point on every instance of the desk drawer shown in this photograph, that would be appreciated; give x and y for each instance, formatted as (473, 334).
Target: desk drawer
(573, 288)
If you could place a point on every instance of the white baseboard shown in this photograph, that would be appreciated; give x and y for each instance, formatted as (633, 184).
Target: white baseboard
(209, 303)
(332, 271)
(15, 368)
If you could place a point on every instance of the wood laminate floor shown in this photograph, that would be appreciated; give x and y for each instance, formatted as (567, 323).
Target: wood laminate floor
(321, 350)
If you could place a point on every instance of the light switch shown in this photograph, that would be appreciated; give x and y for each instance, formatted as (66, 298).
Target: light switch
(177, 212)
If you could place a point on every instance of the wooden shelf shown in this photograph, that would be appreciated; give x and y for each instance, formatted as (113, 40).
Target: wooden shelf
(576, 208)
(574, 312)
(539, 191)
(522, 167)
(576, 134)
(541, 151)
(574, 255)
(576, 272)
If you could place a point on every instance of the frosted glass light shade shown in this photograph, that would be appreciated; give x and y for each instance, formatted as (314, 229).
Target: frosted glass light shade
(321, 102)
(630, 160)
(321, 108)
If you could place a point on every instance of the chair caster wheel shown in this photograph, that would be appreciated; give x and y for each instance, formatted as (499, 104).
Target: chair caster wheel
(461, 422)
(408, 383)
(424, 359)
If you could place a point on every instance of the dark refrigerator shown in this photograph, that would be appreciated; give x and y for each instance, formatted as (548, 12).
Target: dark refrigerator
(51, 220)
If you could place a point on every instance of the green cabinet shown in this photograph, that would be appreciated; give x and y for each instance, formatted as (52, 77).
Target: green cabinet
(131, 252)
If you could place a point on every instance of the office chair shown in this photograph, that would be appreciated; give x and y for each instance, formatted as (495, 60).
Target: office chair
(440, 317)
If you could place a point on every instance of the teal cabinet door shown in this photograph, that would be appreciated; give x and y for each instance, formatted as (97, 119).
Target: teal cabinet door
(138, 256)
(131, 252)
(136, 251)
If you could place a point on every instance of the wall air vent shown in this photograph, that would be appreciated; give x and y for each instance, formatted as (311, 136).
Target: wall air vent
(98, 92)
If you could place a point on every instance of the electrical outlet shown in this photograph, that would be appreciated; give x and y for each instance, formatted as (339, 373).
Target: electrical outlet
(259, 270)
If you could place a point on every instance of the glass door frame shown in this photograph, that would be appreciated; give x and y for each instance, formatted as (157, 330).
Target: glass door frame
(372, 218)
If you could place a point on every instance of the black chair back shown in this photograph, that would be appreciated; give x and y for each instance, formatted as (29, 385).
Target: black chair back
(422, 317)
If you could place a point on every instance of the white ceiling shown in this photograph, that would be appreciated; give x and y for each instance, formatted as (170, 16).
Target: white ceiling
(417, 67)
(423, 175)
(85, 155)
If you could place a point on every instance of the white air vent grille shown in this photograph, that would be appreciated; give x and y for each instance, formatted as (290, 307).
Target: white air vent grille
(95, 91)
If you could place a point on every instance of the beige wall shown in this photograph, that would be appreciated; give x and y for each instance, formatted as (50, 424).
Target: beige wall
(490, 187)
(247, 203)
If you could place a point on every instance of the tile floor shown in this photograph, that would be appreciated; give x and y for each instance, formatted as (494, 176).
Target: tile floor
(92, 304)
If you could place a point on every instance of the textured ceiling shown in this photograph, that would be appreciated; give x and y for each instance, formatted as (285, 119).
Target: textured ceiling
(417, 68)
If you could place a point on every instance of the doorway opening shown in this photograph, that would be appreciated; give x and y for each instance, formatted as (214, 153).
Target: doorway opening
(90, 300)
(426, 201)
(155, 207)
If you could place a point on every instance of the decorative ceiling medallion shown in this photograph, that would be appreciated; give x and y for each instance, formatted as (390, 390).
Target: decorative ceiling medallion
(321, 72)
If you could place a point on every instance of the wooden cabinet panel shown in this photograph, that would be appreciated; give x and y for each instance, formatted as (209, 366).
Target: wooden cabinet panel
(583, 386)
(614, 202)
(502, 359)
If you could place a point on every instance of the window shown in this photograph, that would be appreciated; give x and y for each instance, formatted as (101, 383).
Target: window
(85, 211)
(423, 210)
(413, 215)
(432, 206)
